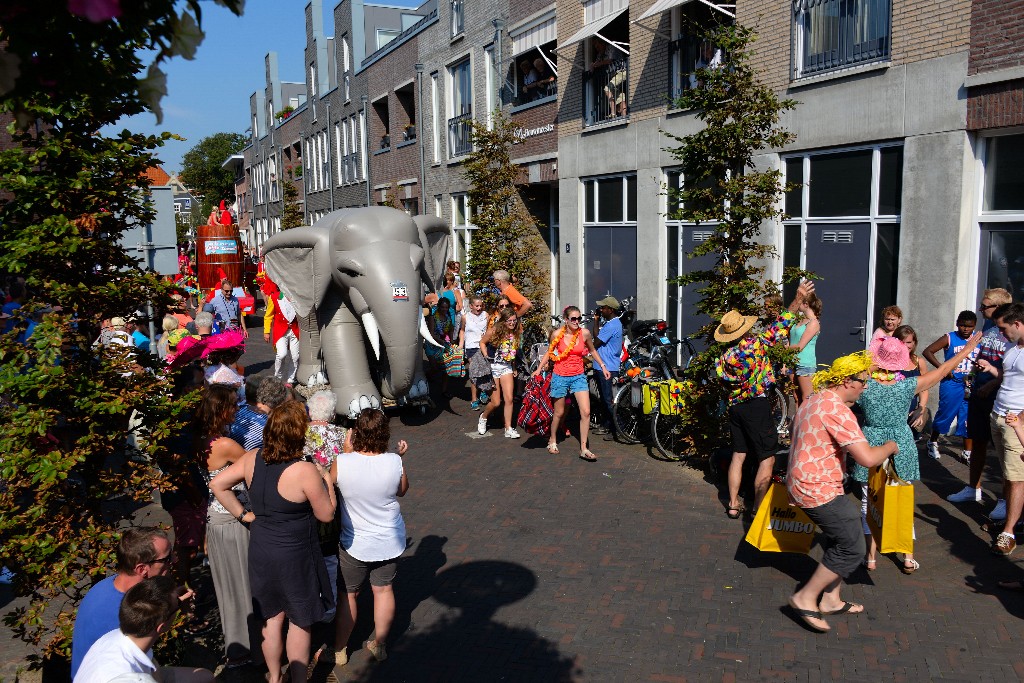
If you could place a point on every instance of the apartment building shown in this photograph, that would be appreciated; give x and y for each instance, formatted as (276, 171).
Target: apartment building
(888, 212)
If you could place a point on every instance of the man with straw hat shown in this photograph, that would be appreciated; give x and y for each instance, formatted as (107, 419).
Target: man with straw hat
(824, 427)
(746, 368)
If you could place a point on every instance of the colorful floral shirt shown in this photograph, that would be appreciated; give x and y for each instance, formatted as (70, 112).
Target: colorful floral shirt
(323, 443)
(506, 352)
(746, 365)
(822, 427)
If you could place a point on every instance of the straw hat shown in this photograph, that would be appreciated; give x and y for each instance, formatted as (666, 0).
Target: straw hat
(733, 326)
(890, 353)
(117, 323)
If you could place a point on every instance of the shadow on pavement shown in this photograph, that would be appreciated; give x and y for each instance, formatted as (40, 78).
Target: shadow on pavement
(470, 645)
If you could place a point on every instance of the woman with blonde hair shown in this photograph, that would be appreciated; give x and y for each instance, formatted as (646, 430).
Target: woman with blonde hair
(169, 324)
(500, 344)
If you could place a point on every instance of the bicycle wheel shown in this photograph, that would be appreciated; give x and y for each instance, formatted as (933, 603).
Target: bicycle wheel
(779, 408)
(666, 432)
(631, 425)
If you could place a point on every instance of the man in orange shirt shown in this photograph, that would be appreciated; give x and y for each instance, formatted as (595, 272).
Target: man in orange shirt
(518, 301)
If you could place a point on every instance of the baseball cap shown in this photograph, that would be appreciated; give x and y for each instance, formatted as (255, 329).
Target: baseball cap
(609, 301)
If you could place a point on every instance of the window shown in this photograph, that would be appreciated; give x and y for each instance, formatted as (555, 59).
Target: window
(458, 18)
(339, 152)
(346, 65)
(535, 77)
(275, 186)
(1001, 217)
(606, 78)
(411, 206)
(435, 117)
(382, 122)
(385, 36)
(405, 114)
(460, 124)
(609, 237)
(312, 89)
(832, 34)
(462, 228)
(687, 52)
(362, 145)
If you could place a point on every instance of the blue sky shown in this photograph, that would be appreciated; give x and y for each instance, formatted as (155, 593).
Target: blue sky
(210, 94)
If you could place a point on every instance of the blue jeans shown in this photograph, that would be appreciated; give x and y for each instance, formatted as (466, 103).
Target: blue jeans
(605, 388)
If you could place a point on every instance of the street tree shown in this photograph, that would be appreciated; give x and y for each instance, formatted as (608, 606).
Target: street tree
(67, 193)
(726, 192)
(291, 215)
(203, 172)
(507, 236)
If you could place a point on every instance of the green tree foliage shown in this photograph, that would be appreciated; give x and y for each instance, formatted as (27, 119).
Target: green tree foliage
(507, 236)
(726, 191)
(67, 193)
(203, 172)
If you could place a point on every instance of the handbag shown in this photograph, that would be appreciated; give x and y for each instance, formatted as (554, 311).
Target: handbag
(536, 412)
(890, 510)
(453, 360)
(779, 527)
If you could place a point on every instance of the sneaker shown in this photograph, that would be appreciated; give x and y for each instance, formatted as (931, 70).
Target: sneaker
(965, 495)
(933, 450)
(481, 426)
(475, 405)
(965, 457)
(484, 398)
(377, 650)
(1004, 545)
(511, 433)
(998, 513)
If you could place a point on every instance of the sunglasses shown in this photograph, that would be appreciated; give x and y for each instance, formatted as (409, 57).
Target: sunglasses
(575, 318)
(863, 380)
(162, 560)
(983, 307)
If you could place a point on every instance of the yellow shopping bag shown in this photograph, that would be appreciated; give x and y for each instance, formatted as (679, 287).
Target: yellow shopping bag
(890, 510)
(780, 527)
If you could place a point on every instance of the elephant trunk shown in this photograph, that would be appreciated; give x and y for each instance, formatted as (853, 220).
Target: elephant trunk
(399, 369)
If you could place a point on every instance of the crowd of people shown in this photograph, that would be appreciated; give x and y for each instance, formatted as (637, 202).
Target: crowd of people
(868, 405)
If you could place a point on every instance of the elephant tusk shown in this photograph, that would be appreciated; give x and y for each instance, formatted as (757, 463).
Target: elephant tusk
(372, 332)
(425, 333)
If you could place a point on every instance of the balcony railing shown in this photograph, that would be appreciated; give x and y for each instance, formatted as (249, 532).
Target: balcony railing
(606, 92)
(460, 140)
(832, 34)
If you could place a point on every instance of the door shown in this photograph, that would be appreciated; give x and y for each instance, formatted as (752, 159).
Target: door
(609, 264)
(690, 320)
(841, 255)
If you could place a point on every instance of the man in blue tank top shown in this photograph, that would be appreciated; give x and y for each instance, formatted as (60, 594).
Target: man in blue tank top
(952, 399)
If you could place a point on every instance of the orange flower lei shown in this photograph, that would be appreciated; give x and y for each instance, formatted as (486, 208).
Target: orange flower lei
(558, 337)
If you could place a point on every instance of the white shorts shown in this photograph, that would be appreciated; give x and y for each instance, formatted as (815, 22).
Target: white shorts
(499, 369)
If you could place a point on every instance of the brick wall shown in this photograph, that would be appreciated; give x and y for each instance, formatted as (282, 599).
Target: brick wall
(531, 119)
(997, 35)
(996, 105)
(402, 162)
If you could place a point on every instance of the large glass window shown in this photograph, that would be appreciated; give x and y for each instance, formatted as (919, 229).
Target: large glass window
(832, 34)
(841, 184)
(460, 123)
(609, 237)
(1001, 217)
(1004, 173)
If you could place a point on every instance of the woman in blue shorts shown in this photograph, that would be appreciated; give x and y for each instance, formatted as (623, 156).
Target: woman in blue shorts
(569, 344)
(804, 337)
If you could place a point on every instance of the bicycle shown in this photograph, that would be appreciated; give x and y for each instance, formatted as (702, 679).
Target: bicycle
(645, 363)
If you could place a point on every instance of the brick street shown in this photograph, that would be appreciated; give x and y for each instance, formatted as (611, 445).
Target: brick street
(525, 566)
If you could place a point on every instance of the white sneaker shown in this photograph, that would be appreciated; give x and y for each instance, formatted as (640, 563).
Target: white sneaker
(511, 433)
(481, 426)
(998, 513)
(965, 495)
(933, 450)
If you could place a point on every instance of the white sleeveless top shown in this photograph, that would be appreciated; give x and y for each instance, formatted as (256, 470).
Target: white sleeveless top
(476, 325)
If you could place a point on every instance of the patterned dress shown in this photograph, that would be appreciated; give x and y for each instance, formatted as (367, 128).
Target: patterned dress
(885, 409)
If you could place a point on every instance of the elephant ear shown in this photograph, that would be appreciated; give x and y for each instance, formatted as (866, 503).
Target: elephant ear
(436, 239)
(299, 261)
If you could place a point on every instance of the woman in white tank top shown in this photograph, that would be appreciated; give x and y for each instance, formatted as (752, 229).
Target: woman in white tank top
(474, 324)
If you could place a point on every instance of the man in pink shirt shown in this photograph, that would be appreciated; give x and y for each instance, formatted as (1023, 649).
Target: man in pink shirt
(823, 428)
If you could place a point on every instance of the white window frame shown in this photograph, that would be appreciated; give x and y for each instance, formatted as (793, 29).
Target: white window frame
(464, 229)
(986, 217)
(467, 62)
(435, 114)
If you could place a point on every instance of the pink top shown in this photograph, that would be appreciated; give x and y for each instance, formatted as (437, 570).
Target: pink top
(823, 426)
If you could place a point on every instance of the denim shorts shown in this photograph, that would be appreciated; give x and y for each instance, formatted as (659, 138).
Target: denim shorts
(562, 386)
(500, 369)
(805, 371)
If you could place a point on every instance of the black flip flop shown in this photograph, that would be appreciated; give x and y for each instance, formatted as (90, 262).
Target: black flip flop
(1011, 585)
(806, 614)
(847, 606)
(734, 513)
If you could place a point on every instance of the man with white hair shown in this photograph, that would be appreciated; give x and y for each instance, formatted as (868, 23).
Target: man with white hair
(502, 281)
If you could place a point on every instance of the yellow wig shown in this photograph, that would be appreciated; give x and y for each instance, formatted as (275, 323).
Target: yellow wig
(841, 369)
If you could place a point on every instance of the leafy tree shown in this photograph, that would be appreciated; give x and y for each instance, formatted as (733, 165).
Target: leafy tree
(507, 236)
(724, 190)
(291, 217)
(203, 172)
(67, 193)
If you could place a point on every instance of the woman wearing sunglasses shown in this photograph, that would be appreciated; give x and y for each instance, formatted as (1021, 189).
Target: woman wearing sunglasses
(569, 344)
(502, 342)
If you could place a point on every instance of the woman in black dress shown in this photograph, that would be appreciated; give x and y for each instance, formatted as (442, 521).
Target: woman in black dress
(286, 569)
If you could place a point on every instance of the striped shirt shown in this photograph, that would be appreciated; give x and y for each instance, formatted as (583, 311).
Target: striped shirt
(247, 429)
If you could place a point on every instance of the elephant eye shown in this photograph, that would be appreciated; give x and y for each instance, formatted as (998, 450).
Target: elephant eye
(350, 273)
(350, 267)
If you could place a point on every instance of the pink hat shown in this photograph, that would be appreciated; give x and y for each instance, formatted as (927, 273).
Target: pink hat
(229, 339)
(890, 353)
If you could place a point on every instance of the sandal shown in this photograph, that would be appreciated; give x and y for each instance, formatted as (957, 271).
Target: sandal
(585, 454)
(910, 568)
(847, 608)
(552, 448)
(734, 512)
(806, 615)
(871, 565)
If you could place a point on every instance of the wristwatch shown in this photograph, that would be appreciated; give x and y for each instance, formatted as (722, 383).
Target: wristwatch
(243, 514)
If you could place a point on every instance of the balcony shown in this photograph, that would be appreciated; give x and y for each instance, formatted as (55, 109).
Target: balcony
(833, 34)
(605, 93)
(460, 135)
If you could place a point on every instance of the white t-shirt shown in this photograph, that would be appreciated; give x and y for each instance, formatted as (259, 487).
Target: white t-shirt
(1010, 397)
(476, 325)
(115, 655)
(372, 528)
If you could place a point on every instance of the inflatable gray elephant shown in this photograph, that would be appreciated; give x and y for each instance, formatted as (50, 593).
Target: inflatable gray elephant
(356, 278)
